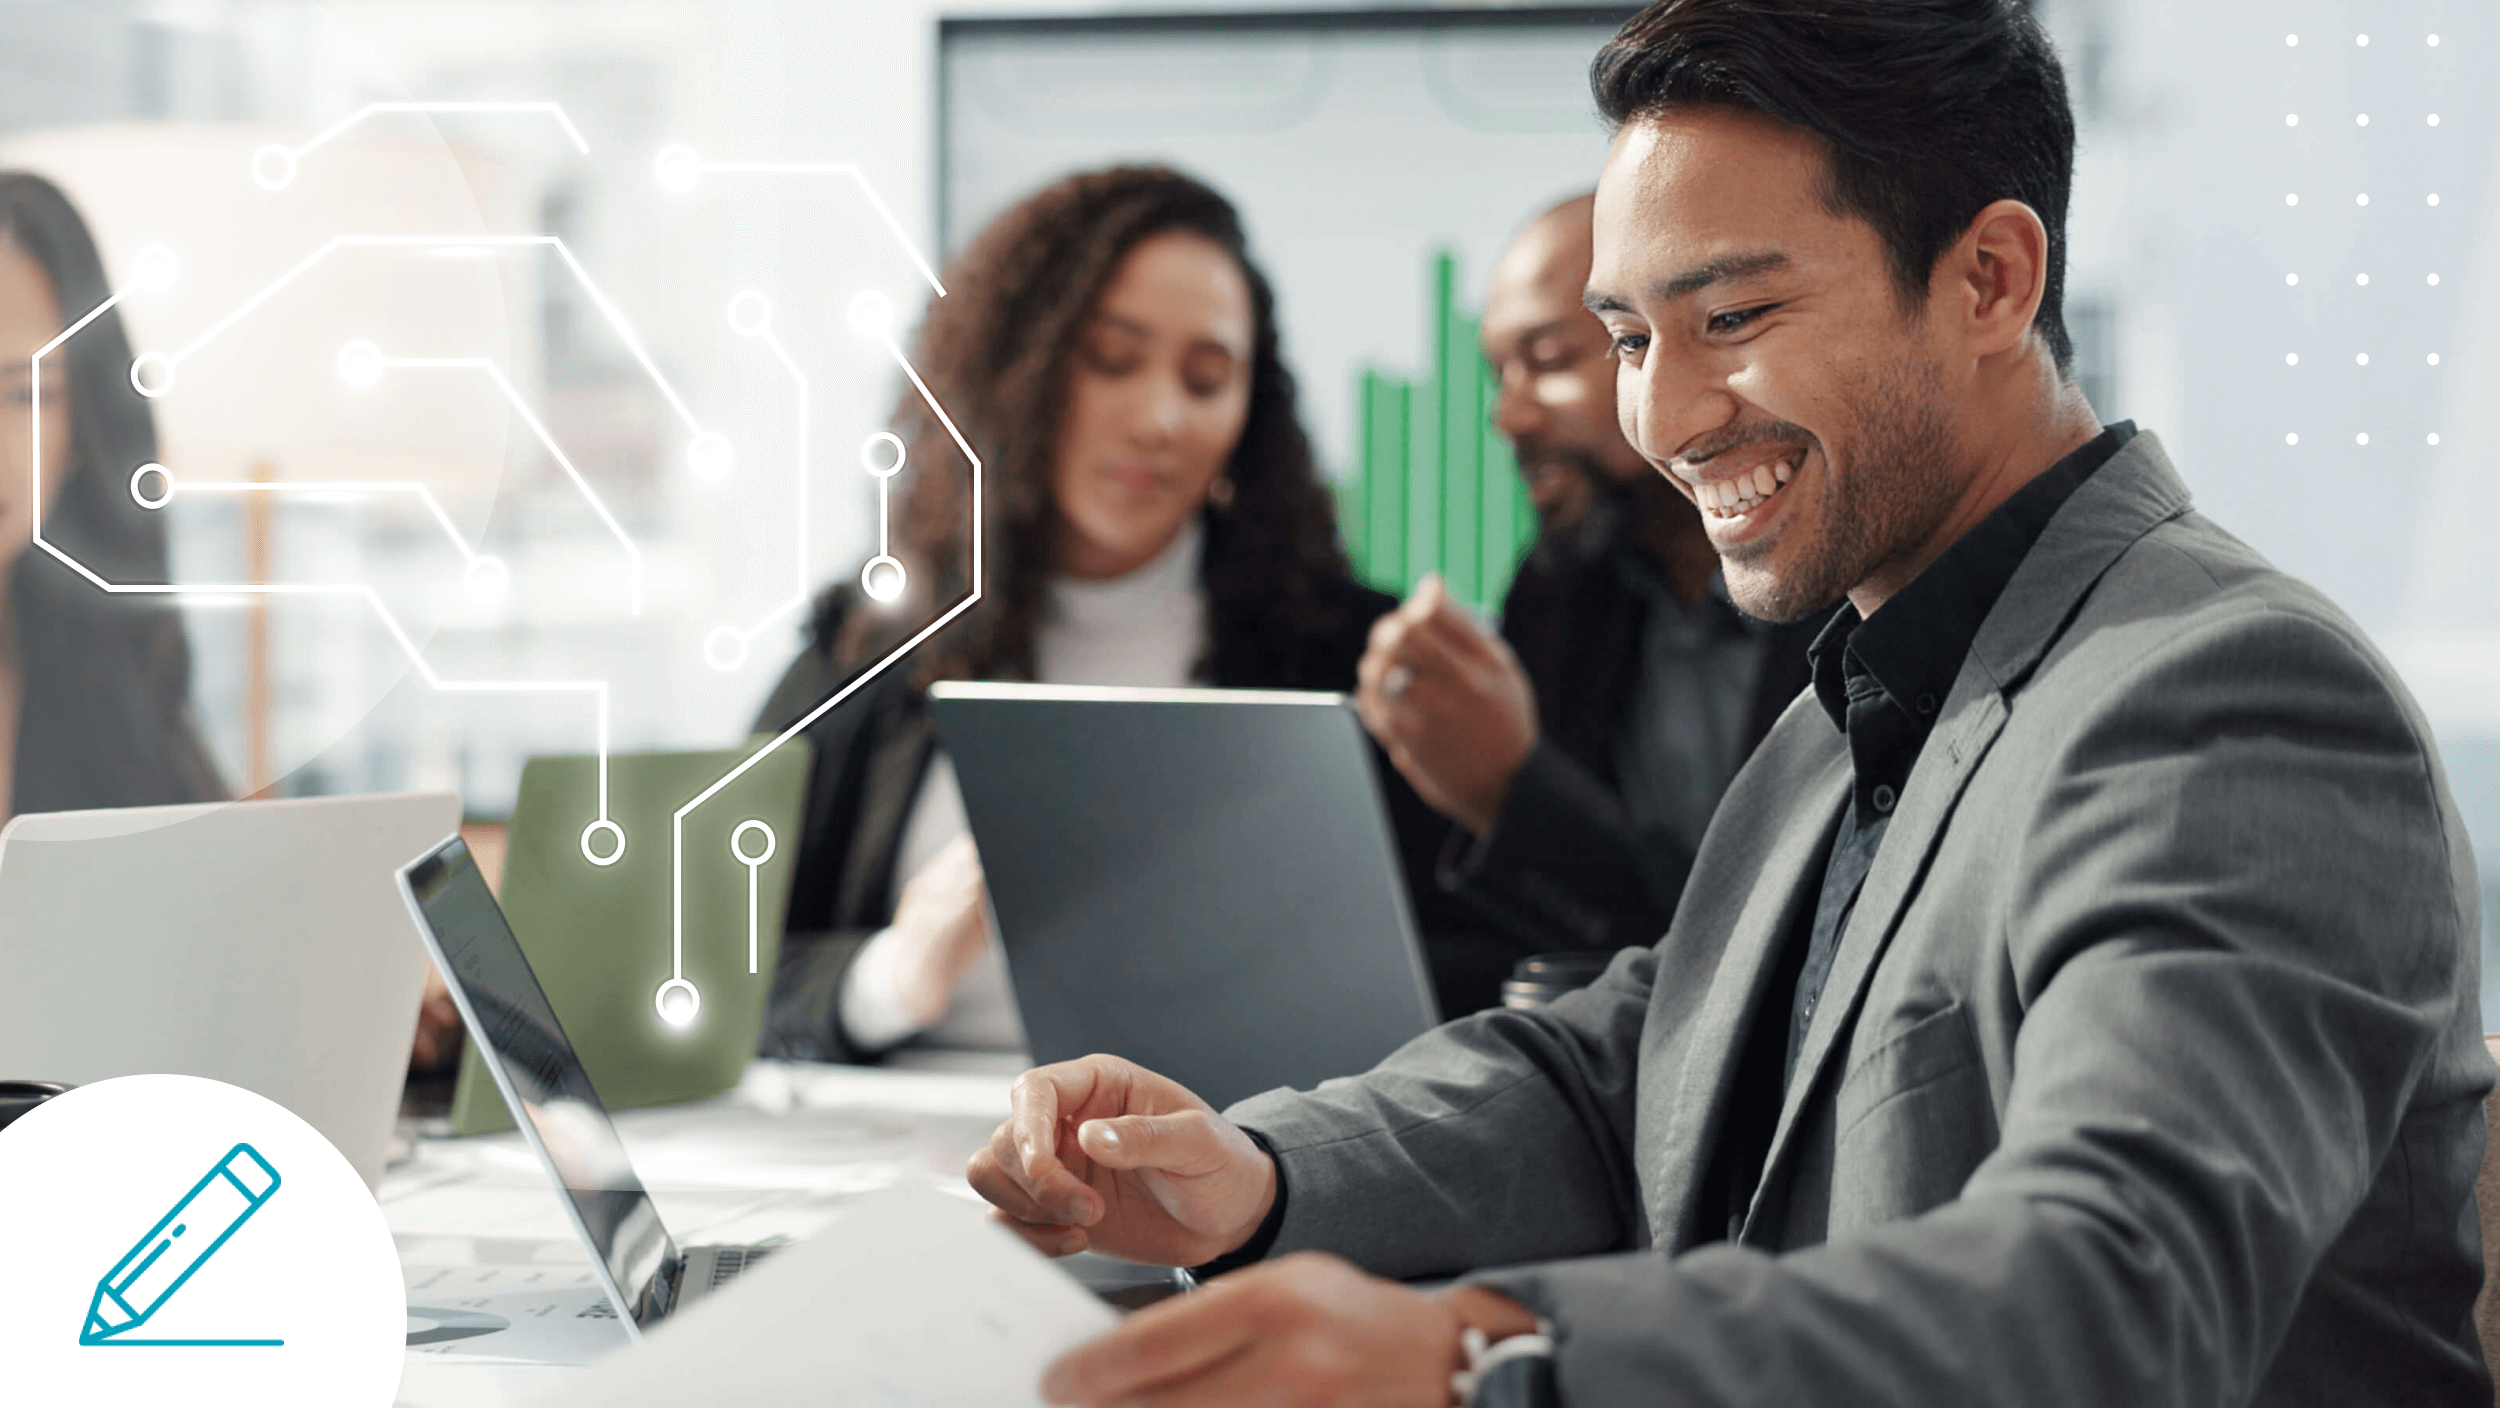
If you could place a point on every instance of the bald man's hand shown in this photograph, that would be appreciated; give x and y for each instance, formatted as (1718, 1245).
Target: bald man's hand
(1450, 703)
(1102, 1153)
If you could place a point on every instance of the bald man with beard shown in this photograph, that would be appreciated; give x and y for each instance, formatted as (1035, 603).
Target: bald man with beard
(1580, 753)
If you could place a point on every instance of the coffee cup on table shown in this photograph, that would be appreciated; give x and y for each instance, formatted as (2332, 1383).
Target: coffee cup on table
(19, 1096)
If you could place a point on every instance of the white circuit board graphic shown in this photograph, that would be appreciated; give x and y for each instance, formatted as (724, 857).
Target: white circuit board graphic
(362, 363)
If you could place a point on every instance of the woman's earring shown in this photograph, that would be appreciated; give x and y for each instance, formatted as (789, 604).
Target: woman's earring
(1220, 494)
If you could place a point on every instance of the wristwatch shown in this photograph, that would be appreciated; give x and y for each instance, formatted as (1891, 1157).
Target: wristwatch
(1517, 1372)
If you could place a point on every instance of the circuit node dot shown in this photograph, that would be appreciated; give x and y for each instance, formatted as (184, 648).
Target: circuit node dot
(590, 853)
(153, 268)
(881, 454)
(273, 167)
(737, 842)
(677, 1002)
(487, 579)
(750, 313)
(709, 455)
(872, 315)
(152, 374)
(141, 497)
(677, 167)
(360, 364)
(725, 649)
(882, 578)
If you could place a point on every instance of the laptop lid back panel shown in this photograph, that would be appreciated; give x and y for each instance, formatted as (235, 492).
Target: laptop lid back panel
(599, 937)
(1202, 881)
(262, 944)
(535, 1069)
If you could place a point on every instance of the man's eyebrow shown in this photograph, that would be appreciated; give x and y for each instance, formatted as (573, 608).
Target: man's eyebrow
(1718, 271)
(1728, 269)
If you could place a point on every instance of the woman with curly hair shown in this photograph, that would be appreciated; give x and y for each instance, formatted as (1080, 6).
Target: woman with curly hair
(1154, 517)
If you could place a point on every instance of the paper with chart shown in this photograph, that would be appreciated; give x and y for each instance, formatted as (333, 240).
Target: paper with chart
(910, 1299)
(517, 1314)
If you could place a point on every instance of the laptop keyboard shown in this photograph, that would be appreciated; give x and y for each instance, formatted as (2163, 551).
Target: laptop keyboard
(728, 1263)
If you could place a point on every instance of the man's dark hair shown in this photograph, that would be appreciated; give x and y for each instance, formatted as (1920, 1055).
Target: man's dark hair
(1930, 109)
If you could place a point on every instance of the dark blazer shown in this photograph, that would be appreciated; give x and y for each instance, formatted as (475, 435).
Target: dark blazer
(1564, 866)
(2149, 1070)
(872, 752)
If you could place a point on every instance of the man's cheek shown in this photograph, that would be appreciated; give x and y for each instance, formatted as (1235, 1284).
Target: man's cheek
(1628, 406)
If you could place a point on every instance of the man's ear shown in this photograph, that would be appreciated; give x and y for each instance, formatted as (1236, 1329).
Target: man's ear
(1994, 277)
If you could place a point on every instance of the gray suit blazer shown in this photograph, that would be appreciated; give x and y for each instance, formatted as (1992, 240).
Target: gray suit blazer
(2148, 1070)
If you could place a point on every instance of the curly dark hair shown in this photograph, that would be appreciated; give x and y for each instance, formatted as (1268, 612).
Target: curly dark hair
(996, 352)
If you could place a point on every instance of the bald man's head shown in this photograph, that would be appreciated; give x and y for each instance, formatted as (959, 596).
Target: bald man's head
(1552, 250)
(1552, 358)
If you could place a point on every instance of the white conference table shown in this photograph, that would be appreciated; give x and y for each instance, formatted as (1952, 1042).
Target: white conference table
(502, 1300)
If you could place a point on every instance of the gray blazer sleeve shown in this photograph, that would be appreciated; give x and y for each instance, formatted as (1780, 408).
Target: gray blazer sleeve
(1502, 1137)
(2240, 945)
(2240, 950)
(1563, 866)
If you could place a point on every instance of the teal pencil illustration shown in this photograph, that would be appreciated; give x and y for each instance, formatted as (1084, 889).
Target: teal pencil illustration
(180, 1243)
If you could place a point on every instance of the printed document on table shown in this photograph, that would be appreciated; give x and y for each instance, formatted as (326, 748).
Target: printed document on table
(510, 1315)
(909, 1299)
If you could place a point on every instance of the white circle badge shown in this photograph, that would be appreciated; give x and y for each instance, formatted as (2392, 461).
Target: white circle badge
(179, 1240)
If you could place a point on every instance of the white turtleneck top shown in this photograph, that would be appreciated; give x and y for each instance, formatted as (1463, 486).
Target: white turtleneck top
(1148, 628)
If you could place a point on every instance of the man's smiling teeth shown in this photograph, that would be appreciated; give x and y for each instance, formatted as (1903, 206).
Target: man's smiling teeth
(1741, 494)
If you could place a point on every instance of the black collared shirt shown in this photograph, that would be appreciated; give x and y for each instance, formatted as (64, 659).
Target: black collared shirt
(1883, 681)
(1689, 722)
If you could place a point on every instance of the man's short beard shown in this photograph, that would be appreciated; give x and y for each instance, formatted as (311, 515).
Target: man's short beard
(1896, 494)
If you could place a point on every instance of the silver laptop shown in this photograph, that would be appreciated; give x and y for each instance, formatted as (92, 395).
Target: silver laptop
(646, 1274)
(262, 944)
(1201, 880)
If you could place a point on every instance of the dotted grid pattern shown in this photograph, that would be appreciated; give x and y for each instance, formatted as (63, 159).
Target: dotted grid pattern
(2363, 240)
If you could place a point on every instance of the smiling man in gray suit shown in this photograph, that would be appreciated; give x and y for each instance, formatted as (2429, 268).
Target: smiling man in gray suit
(2074, 998)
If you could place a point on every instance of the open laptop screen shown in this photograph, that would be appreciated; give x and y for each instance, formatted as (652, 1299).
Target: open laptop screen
(508, 1014)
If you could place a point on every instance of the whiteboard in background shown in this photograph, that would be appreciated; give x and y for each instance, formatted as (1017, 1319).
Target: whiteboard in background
(1356, 146)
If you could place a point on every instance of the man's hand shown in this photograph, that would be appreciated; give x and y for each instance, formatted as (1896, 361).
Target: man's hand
(1307, 1329)
(942, 927)
(1105, 1154)
(1450, 704)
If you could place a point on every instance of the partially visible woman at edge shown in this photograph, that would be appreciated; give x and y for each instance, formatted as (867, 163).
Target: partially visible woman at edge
(1155, 518)
(95, 689)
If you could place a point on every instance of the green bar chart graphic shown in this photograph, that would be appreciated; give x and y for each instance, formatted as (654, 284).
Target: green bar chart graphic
(1435, 488)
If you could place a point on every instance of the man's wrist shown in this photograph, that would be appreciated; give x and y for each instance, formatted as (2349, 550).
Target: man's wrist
(1486, 1309)
(1271, 1221)
(1484, 810)
(1503, 1350)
